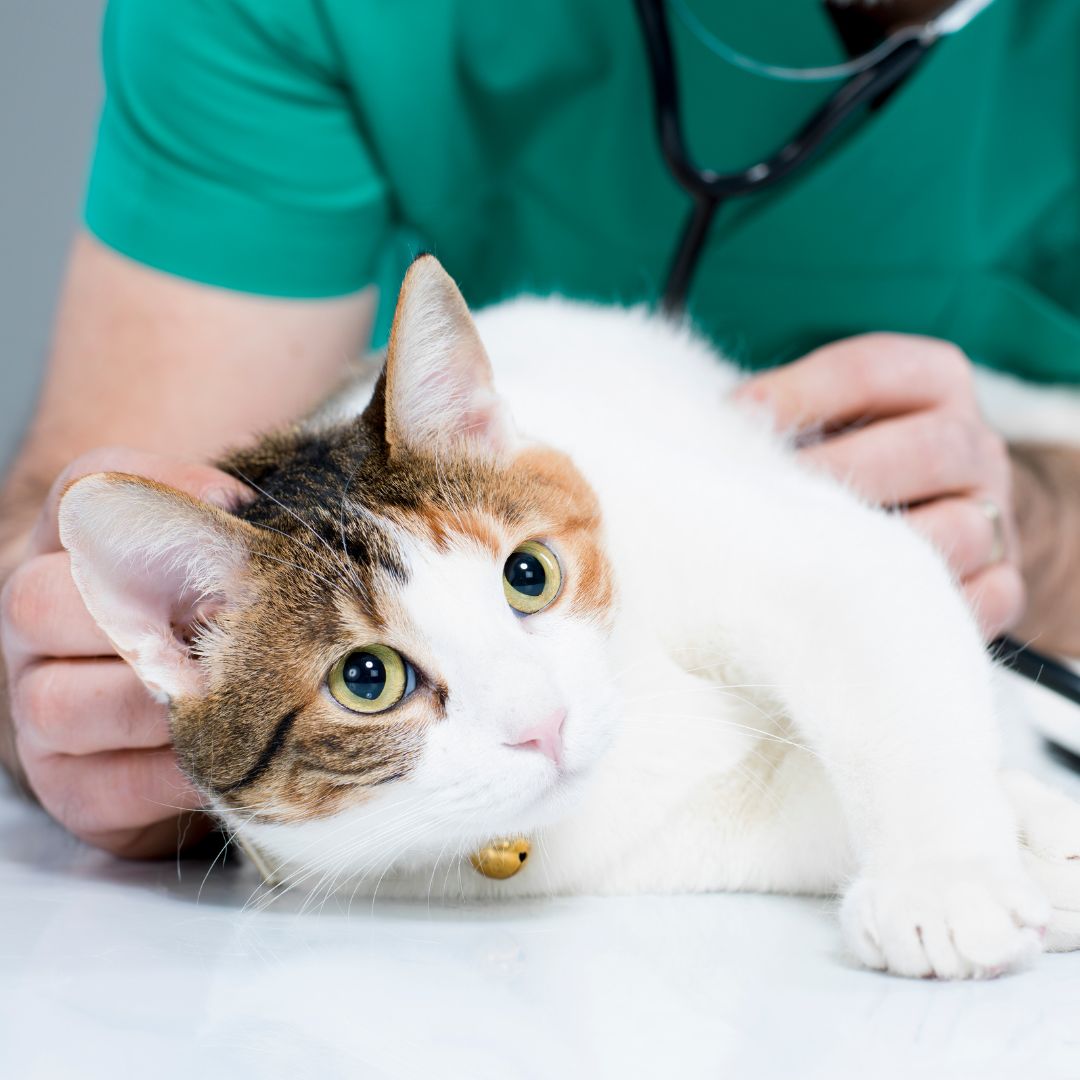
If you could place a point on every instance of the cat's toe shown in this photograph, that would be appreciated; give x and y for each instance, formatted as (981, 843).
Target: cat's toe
(1050, 831)
(1063, 933)
(1059, 878)
(1049, 821)
(945, 922)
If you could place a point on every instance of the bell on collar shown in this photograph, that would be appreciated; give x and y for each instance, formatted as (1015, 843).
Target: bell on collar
(501, 859)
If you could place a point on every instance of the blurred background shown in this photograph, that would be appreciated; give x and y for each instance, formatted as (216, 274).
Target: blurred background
(50, 93)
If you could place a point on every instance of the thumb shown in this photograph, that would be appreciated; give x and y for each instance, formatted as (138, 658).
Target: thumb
(201, 481)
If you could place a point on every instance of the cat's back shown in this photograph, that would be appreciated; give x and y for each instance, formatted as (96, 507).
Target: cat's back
(574, 372)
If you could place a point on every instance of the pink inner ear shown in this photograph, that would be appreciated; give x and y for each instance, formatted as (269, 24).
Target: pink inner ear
(187, 623)
(150, 565)
(452, 406)
(441, 396)
(472, 409)
(150, 616)
(481, 421)
(160, 597)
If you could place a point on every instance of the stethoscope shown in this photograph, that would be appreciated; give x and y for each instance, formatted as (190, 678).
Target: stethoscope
(866, 81)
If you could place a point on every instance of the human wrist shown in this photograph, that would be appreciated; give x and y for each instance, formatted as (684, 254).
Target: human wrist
(1046, 500)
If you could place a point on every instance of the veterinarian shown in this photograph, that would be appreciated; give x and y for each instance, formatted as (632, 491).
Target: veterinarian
(265, 169)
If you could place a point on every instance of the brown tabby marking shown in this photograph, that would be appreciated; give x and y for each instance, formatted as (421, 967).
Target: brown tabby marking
(326, 570)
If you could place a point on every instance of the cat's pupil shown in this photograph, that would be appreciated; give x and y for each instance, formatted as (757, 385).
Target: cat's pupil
(525, 573)
(364, 675)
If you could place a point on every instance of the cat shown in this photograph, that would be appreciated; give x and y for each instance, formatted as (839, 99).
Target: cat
(593, 604)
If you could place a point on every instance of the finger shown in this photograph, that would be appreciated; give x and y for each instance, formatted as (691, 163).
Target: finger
(203, 481)
(80, 707)
(867, 377)
(923, 456)
(111, 791)
(997, 596)
(961, 530)
(155, 841)
(44, 613)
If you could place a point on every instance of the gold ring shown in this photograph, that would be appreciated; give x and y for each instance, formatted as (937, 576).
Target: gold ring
(997, 523)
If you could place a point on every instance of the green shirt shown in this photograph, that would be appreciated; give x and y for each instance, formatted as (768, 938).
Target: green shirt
(307, 148)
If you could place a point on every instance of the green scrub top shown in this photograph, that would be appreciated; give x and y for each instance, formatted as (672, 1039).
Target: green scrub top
(307, 148)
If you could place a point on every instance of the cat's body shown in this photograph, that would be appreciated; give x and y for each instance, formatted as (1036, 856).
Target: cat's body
(748, 679)
(695, 791)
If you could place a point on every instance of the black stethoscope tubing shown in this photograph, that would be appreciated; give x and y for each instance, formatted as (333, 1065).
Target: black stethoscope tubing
(709, 190)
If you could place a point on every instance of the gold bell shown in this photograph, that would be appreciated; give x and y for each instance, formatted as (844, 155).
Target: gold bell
(501, 859)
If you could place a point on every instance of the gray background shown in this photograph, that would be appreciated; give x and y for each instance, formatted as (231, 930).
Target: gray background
(50, 93)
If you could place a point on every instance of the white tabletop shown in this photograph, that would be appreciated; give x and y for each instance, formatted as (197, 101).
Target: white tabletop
(112, 970)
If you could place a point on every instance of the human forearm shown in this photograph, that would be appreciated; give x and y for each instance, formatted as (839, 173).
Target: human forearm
(149, 361)
(144, 359)
(1046, 486)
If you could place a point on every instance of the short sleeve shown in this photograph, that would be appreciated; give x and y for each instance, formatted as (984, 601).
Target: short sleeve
(228, 151)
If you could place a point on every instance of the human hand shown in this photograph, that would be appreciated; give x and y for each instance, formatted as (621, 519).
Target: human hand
(93, 743)
(900, 423)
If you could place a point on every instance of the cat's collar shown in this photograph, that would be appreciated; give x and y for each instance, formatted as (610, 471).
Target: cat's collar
(499, 860)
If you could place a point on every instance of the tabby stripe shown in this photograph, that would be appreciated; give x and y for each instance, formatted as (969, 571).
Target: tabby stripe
(277, 741)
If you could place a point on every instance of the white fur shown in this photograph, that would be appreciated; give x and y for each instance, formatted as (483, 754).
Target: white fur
(1029, 412)
(795, 697)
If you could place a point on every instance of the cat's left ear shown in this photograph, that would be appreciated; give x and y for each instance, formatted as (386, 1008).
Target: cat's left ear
(152, 564)
(439, 393)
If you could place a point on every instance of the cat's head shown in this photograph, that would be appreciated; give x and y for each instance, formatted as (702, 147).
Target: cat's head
(402, 645)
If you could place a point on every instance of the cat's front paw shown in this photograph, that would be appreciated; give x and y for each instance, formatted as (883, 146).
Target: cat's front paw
(1050, 830)
(950, 920)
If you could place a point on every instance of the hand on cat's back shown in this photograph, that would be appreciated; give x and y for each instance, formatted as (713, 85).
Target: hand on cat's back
(898, 421)
(94, 745)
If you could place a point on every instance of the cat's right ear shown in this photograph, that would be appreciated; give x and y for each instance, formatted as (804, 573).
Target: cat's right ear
(152, 564)
(439, 393)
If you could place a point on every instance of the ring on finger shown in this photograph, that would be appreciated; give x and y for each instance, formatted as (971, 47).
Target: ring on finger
(997, 525)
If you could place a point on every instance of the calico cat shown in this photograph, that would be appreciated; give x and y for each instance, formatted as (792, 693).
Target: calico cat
(603, 610)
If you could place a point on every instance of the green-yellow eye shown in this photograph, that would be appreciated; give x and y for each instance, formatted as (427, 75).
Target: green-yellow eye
(370, 680)
(531, 578)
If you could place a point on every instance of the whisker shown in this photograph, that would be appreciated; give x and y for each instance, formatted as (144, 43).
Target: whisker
(748, 728)
(293, 514)
(290, 537)
(296, 566)
(341, 514)
(353, 840)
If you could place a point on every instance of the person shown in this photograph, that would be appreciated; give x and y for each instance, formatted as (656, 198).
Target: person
(265, 168)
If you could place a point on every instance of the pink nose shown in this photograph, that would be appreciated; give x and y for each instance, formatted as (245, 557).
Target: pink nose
(545, 737)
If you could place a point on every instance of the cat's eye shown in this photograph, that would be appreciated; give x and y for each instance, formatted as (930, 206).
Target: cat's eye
(531, 578)
(371, 680)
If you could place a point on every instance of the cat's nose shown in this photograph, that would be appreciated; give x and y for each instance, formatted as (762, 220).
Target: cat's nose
(545, 737)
